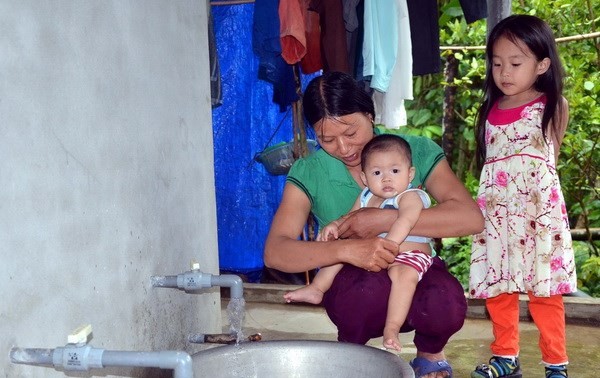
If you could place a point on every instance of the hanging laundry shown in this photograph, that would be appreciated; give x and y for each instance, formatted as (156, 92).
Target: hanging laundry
(311, 62)
(380, 42)
(474, 10)
(389, 105)
(334, 52)
(266, 45)
(350, 15)
(292, 30)
(358, 60)
(425, 34)
(353, 20)
(425, 31)
(300, 35)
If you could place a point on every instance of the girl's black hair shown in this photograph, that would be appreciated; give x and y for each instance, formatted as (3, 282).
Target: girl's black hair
(385, 142)
(335, 94)
(538, 37)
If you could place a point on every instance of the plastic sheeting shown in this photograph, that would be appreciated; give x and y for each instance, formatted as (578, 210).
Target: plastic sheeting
(247, 196)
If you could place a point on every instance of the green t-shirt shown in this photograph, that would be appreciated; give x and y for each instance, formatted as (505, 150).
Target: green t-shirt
(332, 190)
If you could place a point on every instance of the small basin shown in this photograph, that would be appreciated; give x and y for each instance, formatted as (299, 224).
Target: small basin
(299, 358)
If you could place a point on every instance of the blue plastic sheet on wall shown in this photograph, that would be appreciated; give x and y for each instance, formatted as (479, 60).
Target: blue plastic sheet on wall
(247, 196)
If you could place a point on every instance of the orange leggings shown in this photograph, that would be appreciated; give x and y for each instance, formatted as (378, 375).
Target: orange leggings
(548, 314)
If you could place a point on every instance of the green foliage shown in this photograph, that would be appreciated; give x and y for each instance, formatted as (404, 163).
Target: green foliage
(457, 254)
(579, 161)
(590, 276)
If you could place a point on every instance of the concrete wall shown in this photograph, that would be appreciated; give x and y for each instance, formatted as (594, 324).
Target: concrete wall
(106, 175)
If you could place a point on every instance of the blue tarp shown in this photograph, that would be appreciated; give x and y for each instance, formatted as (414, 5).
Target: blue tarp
(247, 196)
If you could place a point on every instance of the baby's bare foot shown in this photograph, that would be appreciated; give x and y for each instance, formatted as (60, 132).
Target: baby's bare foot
(393, 343)
(391, 339)
(308, 294)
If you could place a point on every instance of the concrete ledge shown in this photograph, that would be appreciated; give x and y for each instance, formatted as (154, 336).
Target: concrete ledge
(583, 311)
(268, 293)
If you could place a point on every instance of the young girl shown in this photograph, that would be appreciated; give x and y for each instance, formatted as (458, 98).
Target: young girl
(526, 244)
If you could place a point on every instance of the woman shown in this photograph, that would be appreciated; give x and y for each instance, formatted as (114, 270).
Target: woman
(326, 183)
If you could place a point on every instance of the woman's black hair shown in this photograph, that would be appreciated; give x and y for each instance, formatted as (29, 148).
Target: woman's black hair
(385, 142)
(538, 37)
(335, 94)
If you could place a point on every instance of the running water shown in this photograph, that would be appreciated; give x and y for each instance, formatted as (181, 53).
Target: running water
(235, 313)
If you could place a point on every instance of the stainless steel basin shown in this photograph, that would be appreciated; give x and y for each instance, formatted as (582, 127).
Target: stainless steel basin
(299, 358)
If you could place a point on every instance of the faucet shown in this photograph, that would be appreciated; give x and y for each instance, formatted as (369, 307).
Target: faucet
(77, 355)
(194, 279)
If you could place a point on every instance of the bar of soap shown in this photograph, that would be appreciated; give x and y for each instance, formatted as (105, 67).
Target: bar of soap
(80, 335)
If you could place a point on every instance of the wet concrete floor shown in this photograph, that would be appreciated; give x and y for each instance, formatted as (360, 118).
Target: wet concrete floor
(467, 348)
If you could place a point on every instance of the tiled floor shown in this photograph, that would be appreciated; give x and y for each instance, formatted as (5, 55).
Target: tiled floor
(466, 349)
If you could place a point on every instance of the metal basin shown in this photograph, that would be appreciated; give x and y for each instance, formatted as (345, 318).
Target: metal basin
(299, 358)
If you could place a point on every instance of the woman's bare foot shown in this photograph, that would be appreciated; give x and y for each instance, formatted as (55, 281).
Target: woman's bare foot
(391, 340)
(309, 294)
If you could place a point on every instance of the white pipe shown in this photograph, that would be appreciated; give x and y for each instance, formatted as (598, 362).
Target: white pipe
(180, 362)
(31, 356)
(195, 279)
(231, 281)
(83, 358)
(164, 281)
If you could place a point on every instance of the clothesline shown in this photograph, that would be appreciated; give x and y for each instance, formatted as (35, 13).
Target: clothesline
(481, 47)
(578, 37)
(231, 2)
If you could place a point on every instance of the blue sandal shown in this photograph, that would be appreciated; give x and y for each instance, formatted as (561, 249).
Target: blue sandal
(423, 366)
(499, 367)
(556, 371)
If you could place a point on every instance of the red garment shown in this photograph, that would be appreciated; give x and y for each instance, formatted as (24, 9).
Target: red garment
(292, 30)
(300, 35)
(334, 50)
(312, 60)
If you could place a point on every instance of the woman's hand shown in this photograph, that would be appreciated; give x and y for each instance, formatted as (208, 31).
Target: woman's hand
(367, 222)
(284, 252)
(373, 254)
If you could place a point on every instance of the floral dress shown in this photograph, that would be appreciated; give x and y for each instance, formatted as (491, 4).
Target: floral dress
(526, 244)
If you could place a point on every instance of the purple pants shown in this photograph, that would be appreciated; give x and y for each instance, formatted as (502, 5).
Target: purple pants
(357, 304)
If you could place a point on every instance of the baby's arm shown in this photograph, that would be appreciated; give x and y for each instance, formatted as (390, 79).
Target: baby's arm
(331, 231)
(409, 209)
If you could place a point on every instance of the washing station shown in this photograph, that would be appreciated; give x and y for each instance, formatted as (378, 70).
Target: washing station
(300, 359)
(240, 358)
(277, 358)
